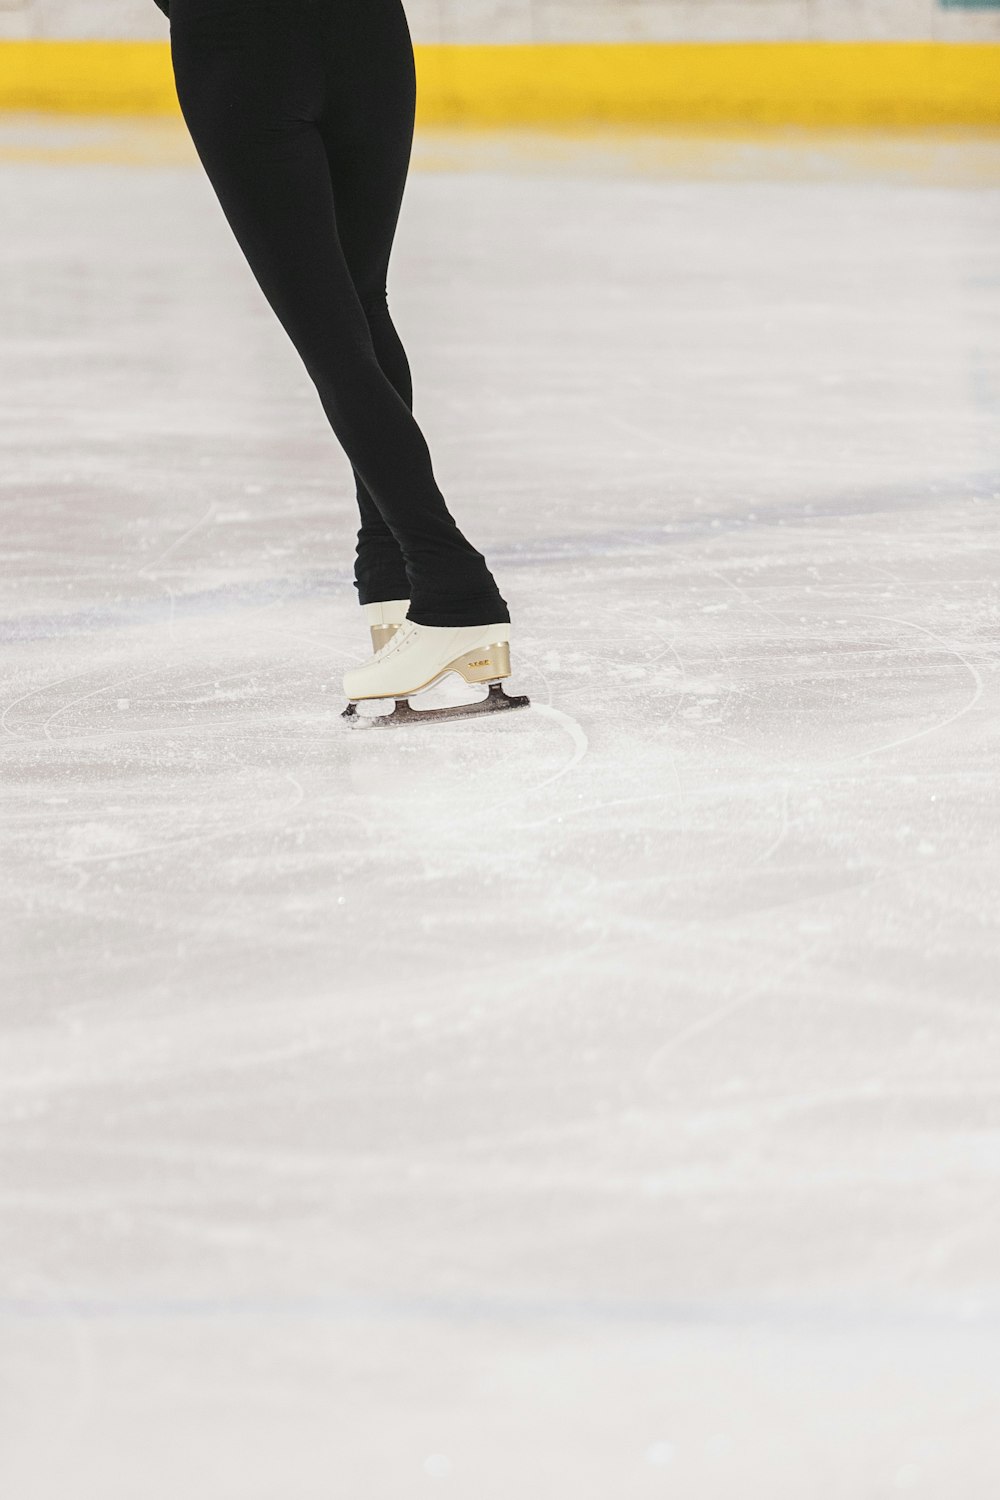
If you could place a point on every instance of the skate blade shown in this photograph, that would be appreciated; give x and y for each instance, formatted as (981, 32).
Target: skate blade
(496, 701)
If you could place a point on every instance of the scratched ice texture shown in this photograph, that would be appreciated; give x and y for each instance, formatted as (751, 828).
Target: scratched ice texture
(599, 1102)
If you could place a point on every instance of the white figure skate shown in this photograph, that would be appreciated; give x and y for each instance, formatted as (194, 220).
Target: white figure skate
(417, 656)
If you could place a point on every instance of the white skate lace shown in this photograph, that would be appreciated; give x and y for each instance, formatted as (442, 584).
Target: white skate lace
(397, 639)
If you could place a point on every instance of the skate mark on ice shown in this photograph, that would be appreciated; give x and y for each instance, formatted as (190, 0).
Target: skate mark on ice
(192, 687)
(636, 429)
(645, 797)
(731, 1008)
(146, 570)
(58, 682)
(107, 687)
(172, 616)
(667, 642)
(45, 687)
(782, 833)
(727, 664)
(575, 730)
(123, 732)
(321, 644)
(756, 787)
(267, 1057)
(570, 726)
(930, 1258)
(748, 598)
(594, 807)
(886, 573)
(920, 734)
(678, 791)
(279, 815)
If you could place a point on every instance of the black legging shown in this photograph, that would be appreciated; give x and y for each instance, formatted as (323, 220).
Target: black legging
(302, 114)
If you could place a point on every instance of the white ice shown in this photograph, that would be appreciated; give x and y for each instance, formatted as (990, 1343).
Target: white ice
(593, 1104)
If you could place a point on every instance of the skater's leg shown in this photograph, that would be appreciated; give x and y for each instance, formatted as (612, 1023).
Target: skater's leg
(252, 87)
(368, 183)
(379, 568)
(370, 56)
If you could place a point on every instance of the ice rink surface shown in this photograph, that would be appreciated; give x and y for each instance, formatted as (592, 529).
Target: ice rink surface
(599, 1102)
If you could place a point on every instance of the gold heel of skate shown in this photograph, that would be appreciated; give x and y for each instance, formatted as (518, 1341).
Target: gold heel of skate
(488, 664)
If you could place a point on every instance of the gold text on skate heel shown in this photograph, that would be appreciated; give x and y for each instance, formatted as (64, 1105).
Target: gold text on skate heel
(475, 667)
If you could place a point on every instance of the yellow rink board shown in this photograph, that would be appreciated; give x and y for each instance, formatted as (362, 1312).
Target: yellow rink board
(808, 83)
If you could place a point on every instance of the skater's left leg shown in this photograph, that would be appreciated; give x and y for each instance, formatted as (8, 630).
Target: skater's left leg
(379, 569)
(366, 236)
(368, 170)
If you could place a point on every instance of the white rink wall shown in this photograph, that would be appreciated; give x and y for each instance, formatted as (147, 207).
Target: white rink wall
(571, 20)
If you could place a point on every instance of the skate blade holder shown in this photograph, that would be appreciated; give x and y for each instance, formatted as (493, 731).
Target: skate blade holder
(496, 701)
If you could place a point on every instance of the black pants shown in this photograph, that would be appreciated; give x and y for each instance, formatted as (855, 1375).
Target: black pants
(302, 114)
